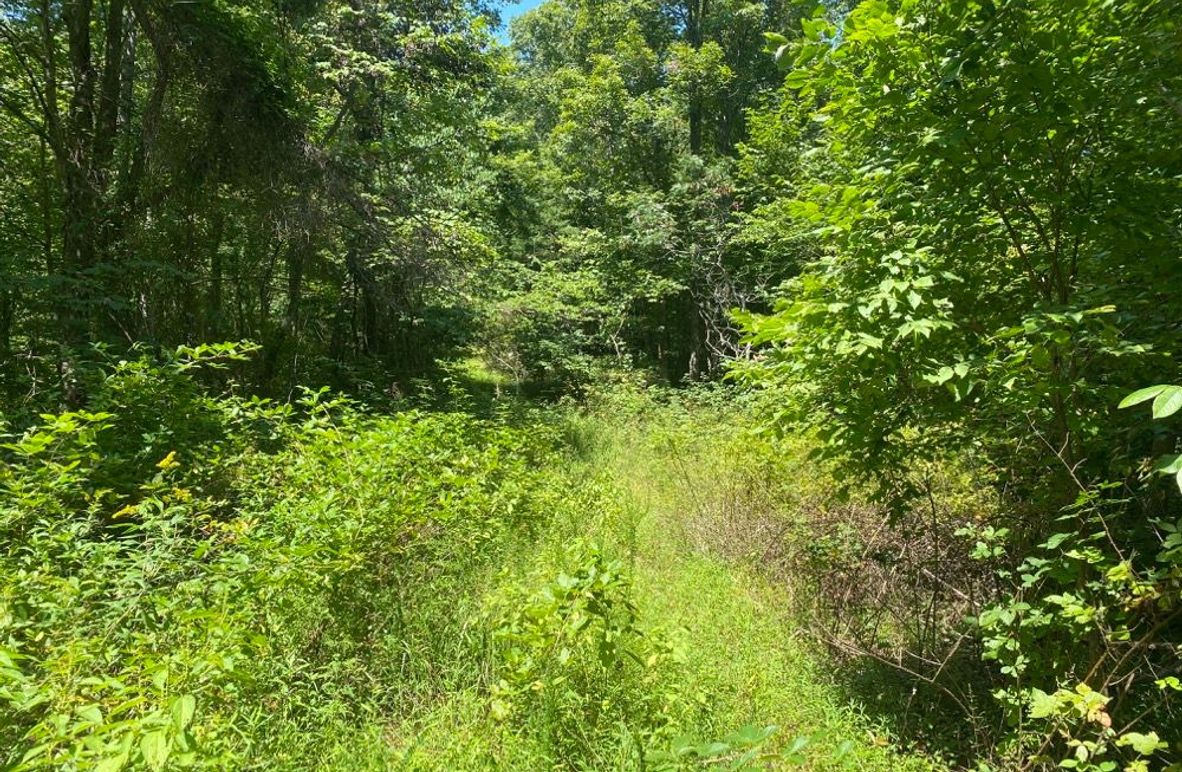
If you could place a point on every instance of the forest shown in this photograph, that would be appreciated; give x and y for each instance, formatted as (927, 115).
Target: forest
(647, 385)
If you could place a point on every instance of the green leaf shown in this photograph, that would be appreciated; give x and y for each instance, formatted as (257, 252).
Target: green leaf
(1168, 464)
(183, 708)
(869, 341)
(796, 78)
(751, 734)
(1042, 704)
(1143, 744)
(91, 714)
(1142, 395)
(798, 744)
(943, 376)
(713, 749)
(118, 761)
(34, 752)
(1168, 402)
(154, 747)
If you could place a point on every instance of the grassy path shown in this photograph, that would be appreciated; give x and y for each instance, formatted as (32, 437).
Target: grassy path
(741, 658)
(740, 643)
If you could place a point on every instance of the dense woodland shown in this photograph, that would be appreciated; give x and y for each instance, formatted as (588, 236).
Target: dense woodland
(641, 384)
(367, 185)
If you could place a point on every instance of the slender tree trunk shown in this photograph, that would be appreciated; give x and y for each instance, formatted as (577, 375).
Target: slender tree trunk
(698, 359)
(191, 269)
(7, 312)
(47, 225)
(213, 310)
(265, 278)
(295, 284)
(242, 324)
(695, 124)
(695, 34)
(370, 325)
(79, 207)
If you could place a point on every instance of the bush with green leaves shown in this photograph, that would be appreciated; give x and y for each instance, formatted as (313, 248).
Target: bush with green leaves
(989, 190)
(1088, 639)
(161, 627)
(577, 671)
(997, 220)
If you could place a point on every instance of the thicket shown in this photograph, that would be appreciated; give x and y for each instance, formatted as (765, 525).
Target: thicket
(221, 581)
(992, 191)
(286, 585)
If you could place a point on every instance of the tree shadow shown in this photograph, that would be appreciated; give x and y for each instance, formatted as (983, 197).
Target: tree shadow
(953, 719)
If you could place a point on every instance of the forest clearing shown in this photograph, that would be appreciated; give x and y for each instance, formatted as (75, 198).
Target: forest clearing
(638, 385)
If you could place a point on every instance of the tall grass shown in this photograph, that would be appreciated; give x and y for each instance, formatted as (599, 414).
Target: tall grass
(309, 586)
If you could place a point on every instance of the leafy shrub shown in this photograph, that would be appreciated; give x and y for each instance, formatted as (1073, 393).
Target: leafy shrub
(546, 336)
(577, 670)
(1086, 639)
(978, 301)
(1086, 635)
(159, 626)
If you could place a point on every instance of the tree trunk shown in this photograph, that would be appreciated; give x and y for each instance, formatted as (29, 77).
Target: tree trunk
(74, 159)
(695, 124)
(213, 310)
(695, 35)
(7, 311)
(699, 365)
(295, 285)
(363, 281)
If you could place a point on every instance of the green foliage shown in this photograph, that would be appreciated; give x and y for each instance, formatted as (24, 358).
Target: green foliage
(939, 237)
(978, 288)
(1086, 614)
(545, 335)
(576, 669)
(297, 173)
(978, 284)
(1167, 400)
(176, 630)
(1093, 606)
(309, 585)
(1079, 714)
(736, 751)
(614, 173)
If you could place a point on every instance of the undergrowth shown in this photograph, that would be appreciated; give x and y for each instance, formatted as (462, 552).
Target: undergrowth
(956, 640)
(197, 579)
(265, 588)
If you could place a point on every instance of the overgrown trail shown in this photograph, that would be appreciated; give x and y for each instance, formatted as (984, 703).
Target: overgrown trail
(543, 588)
(760, 698)
(740, 642)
